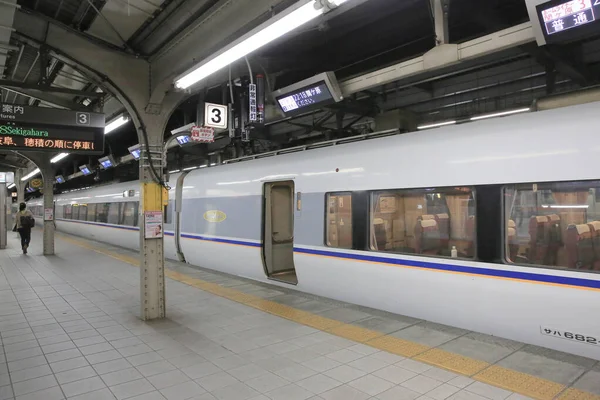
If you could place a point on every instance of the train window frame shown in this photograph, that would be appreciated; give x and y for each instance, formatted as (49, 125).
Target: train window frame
(547, 185)
(423, 190)
(326, 220)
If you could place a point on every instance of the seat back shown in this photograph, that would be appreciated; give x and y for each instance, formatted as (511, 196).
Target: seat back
(554, 240)
(595, 230)
(427, 236)
(380, 233)
(470, 250)
(579, 245)
(538, 239)
(512, 240)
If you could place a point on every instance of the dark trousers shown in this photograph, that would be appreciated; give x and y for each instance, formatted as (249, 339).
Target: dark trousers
(25, 236)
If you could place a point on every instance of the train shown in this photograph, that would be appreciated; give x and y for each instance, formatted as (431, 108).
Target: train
(491, 226)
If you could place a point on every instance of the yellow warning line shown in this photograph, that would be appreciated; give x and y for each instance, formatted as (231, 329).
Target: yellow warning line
(508, 379)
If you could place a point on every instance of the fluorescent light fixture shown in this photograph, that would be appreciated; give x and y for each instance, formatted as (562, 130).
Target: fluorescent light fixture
(565, 206)
(213, 164)
(185, 128)
(59, 157)
(174, 171)
(189, 168)
(436, 125)
(30, 175)
(116, 123)
(135, 151)
(500, 114)
(12, 185)
(291, 19)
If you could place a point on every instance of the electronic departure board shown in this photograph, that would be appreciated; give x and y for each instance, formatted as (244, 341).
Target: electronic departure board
(310, 94)
(564, 20)
(50, 129)
(306, 97)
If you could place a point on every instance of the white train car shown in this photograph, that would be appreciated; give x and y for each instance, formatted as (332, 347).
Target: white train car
(492, 226)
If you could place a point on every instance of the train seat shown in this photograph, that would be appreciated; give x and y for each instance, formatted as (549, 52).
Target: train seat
(554, 239)
(579, 244)
(538, 239)
(595, 228)
(427, 235)
(380, 234)
(512, 240)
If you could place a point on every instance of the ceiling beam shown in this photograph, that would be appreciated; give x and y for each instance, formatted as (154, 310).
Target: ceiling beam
(46, 98)
(48, 89)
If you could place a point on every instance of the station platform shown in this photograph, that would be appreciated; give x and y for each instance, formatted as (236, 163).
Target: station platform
(70, 329)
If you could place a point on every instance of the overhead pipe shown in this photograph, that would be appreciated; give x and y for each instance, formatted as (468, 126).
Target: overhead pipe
(588, 95)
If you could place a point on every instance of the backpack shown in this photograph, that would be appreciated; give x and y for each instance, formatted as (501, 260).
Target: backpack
(27, 222)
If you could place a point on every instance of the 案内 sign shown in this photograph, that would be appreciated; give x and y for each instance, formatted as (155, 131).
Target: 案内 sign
(47, 129)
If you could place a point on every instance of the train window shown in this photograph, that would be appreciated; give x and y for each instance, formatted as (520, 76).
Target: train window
(338, 226)
(102, 212)
(68, 209)
(424, 221)
(60, 212)
(169, 212)
(91, 213)
(114, 213)
(129, 213)
(75, 211)
(83, 208)
(553, 225)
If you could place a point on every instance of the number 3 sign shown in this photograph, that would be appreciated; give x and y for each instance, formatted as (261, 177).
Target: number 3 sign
(215, 116)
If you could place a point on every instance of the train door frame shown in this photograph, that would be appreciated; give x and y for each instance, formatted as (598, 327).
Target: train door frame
(280, 248)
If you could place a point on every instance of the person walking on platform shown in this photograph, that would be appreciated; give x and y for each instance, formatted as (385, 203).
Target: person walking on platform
(25, 222)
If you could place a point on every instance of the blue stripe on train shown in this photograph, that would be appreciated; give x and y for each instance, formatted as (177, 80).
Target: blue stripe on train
(496, 273)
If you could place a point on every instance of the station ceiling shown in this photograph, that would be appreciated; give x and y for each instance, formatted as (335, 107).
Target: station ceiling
(370, 36)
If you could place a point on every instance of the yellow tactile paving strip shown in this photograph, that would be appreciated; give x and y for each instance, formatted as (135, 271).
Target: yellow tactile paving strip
(514, 381)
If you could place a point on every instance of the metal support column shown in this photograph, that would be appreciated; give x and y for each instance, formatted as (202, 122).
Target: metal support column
(20, 186)
(441, 9)
(4, 223)
(48, 176)
(152, 263)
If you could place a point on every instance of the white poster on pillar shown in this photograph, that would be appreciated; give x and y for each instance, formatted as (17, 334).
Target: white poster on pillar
(48, 214)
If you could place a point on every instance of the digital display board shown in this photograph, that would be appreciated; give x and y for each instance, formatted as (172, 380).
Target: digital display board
(52, 130)
(60, 179)
(136, 153)
(308, 97)
(568, 20)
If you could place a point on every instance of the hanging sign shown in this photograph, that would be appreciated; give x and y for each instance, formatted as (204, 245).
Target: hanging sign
(202, 134)
(48, 214)
(252, 102)
(215, 116)
(153, 224)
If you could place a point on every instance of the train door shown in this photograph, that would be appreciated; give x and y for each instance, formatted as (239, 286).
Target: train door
(278, 231)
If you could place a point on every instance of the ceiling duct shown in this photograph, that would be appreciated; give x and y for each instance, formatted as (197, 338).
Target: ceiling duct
(584, 96)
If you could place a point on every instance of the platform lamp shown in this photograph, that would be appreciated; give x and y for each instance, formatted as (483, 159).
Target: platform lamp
(60, 179)
(135, 151)
(107, 162)
(86, 169)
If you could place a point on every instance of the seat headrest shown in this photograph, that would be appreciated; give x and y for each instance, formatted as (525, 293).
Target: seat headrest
(554, 217)
(511, 223)
(595, 225)
(541, 218)
(377, 221)
(511, 232)
(427, 216)
(443, 216)
(428, 223)
(582, 228)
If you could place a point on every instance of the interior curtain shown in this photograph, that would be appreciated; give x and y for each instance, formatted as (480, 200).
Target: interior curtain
(374, 210)
(458, 209)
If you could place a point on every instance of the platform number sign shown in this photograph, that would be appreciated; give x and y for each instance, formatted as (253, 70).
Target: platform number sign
(215, 116)
(83, 118)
